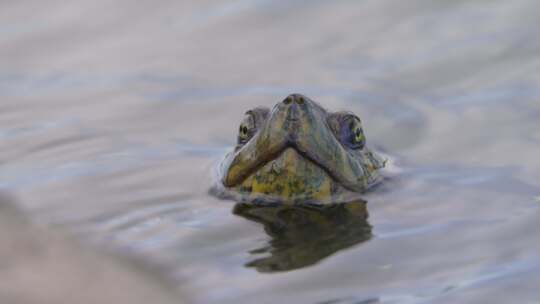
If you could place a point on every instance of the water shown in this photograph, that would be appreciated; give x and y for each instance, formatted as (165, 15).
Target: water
(113, 116)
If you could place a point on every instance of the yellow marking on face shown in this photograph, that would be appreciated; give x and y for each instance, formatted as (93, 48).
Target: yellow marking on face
(285, 182)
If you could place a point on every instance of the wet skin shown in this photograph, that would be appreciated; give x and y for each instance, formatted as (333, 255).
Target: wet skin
(298, 152)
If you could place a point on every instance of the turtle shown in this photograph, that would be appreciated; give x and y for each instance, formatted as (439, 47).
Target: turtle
(299, 153)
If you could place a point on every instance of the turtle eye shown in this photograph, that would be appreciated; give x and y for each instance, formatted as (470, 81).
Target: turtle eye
(246, 129)
(356, 138)
(243, 133)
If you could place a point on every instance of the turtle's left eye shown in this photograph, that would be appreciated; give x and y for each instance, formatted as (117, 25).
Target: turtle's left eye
(357, 139)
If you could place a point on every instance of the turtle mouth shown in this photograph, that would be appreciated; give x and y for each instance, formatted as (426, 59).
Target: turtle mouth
(292, 164)
(291, 176)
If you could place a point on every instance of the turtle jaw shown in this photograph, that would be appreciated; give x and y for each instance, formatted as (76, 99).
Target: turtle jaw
(300, 124)
(290, 177)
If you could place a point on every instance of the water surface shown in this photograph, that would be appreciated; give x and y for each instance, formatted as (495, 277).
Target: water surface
(113, 116)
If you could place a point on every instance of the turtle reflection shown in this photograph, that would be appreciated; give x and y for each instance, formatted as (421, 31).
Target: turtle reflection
(303, 235)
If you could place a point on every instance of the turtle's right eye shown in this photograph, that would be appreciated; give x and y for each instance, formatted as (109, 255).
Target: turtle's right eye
(243, 134)
(246, 129)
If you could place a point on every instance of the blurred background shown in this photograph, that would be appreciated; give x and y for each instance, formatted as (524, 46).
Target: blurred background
(113, 115)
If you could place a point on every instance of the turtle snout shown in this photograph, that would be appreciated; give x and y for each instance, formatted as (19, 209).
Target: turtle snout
(293, 106)
(298, 99)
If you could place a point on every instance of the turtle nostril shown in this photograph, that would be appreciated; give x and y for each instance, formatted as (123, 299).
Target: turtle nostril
(288, 100)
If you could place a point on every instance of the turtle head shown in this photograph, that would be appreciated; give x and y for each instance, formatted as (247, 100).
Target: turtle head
(297, 152)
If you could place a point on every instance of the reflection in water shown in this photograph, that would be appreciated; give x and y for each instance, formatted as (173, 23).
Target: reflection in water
(303, 235)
